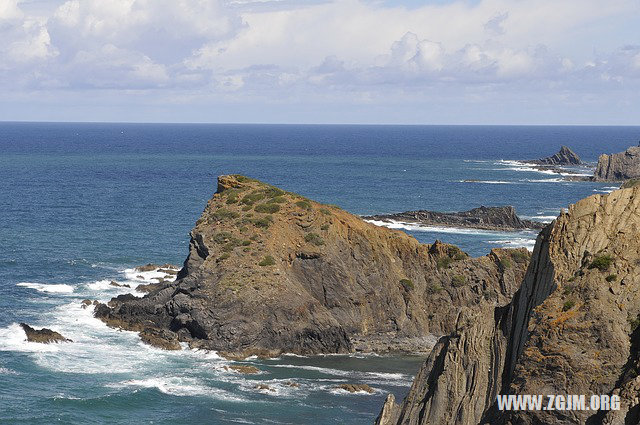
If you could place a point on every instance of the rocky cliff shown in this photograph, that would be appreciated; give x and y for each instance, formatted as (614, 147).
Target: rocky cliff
(572, 328)
(488, 218)
(269, 271)
(564, 157)
(619, 166)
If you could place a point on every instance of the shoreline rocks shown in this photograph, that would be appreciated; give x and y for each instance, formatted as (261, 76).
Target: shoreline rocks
(43, 336)
(486, 218)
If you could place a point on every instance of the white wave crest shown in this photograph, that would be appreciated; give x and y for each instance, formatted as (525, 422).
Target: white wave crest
(48, 287)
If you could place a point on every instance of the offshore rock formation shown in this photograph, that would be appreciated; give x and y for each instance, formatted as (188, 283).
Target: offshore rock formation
(43, 336)
(564, 157)
(269, 271)
(619, 166)
(572, 328)
(487, 218)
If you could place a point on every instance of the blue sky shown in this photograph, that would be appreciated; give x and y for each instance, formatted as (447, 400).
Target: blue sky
(316, 61)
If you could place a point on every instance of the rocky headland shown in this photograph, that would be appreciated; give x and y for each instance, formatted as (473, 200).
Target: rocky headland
(618, 166)
(572, 328)
(270, 271)
(486, 218)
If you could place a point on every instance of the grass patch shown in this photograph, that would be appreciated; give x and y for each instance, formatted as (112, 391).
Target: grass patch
(222, 237)
(602, 263)
(232, 195)
(324, 227)
(519, 257)
(263, 222)
(314, 239)
(277, 200)
(634, 323)
(325, 211)
(434, 288)
(253, 197)
(267, 208)
(305, 205)
(611, 277)
(246, 243)
(223, 214)
(224, 256)
(267, 261)
(407, 284)
(568, 305)
(273, 192)
(443, 263)
(505, 263)
(458, 281)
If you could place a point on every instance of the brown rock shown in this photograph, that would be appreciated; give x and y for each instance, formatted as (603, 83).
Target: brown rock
(619, 166)
(264, 387)
(356, 388)
(309, 290)
(44, 335)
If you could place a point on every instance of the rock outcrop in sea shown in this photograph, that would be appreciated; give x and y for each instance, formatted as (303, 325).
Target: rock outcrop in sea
(270, 271)
(43, 336)
(619, 166)
(486, 218)
(572, 328)
(564, 157)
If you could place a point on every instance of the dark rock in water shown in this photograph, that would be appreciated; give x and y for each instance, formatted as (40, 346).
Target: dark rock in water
(165, 268)
(119, 285)
(572, 328)
(564, 157)
(487, 218)
(160, 338)
(316, 279)
(86, 303)
(44, 335)
(264, 387)
(619, 166)
(355, 388)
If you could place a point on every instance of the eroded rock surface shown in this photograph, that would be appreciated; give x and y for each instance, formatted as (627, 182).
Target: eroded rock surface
(564, 157)
(488, 218)
(619, 166)
(572, 328)
(44, 335)
(270, 271)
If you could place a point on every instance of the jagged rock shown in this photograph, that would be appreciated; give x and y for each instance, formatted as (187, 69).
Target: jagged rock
(564, 157)
(619, 166)
(356, 388)
(244, 369)
(564, 332)
(85, 303)
(630, 183)
(119, 285)
(44, 335)
(487, 218)
(337, 285)
(292, 384)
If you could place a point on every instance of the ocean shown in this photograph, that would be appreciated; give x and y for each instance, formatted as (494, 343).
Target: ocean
(82, 204)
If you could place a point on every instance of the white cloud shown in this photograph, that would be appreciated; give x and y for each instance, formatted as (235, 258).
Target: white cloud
(335, 50)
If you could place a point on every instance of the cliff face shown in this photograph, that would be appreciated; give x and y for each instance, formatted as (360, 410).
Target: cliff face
(269, 271)
(564, 157)
(619, 166)
(570, 329)
(490, 218)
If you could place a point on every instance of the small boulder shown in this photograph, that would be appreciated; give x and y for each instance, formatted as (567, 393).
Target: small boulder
(264, 387)
(119, 285)
(85, 303)
(356, 388)
(160, 338)
(43, 336)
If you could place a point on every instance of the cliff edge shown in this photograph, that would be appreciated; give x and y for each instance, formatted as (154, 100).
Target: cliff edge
(572, 328)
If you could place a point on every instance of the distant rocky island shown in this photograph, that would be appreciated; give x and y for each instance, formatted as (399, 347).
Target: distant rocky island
(564, 157)
(572, 328)
(486, 218)
(271, 272)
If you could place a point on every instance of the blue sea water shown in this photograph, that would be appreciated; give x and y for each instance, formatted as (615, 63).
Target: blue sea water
(81, 204)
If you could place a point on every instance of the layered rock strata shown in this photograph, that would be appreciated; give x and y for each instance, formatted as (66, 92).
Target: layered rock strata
(270, 271)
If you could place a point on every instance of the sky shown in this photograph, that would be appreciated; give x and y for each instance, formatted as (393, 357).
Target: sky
(540, 62)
